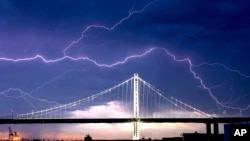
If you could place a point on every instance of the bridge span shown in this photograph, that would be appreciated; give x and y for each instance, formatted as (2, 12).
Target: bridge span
(206, 121)
(131, 101)
(126, 120)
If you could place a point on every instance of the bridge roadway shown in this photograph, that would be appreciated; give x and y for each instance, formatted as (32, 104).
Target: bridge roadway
(207, 121)
(125, 120)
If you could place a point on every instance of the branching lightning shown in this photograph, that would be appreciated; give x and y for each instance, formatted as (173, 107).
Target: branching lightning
(132, 12)
(202, 83)
(24, 94)
(223, 66)
(29, 94)
(83, 34)
(147, 52)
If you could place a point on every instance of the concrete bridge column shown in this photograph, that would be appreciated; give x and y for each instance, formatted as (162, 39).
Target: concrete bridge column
(216, 130)
(208, 127)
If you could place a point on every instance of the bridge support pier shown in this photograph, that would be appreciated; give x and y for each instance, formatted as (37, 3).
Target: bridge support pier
(208, 127)
(216, 130)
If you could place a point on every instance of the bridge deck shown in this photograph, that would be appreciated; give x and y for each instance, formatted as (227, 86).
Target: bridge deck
(125, 120)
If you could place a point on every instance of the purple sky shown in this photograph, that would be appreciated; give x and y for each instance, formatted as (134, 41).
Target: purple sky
(54, 52)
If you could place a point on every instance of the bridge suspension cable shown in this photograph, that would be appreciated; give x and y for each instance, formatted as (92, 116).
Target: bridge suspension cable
(118, 101)
(178, 103)
(41, 113)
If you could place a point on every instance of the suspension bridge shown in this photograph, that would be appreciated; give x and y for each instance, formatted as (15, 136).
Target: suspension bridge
(133, 100)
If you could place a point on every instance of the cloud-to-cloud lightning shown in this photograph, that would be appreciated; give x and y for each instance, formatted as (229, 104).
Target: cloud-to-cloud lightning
(24, 94)
(132, 12)
(225, 67)
(82, 58)
(147, 52)
(43, 59)
(202, 83)
(29, 94)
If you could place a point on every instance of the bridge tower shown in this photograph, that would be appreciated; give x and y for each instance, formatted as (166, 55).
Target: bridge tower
(136, 135)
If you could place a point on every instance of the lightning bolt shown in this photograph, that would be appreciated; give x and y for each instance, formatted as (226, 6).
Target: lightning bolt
(202, 84)
(231, 87)
(147, 52)
(83, 34)
(223, 66)
(22, 95)
(82, 58)
(25, 95)
(132, 12)
(43, 59)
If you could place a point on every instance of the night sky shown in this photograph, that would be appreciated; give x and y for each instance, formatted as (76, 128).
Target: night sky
(41, 42)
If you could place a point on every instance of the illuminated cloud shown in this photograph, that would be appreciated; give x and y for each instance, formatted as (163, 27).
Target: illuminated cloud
(120, 130)
(114, 108)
